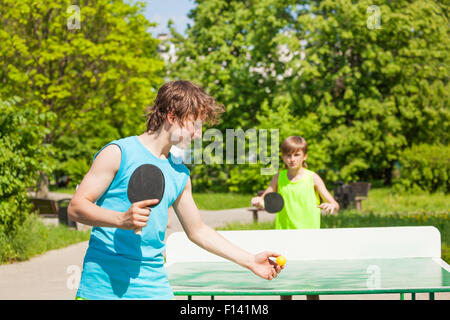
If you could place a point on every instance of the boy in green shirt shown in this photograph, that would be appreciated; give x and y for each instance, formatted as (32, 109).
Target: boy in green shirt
(301, 189)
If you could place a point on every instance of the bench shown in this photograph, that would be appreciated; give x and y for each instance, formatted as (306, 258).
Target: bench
(352, 193)
(53, 208)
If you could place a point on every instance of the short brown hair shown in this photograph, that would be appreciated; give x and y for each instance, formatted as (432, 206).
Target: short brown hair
(293, 144)
(184, 99)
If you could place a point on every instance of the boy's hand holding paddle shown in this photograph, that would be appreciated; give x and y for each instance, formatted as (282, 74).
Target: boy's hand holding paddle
(272, 202)
(137, 215)
(258, 202)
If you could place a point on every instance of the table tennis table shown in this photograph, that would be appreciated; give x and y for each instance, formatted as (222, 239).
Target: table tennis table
(319, 262)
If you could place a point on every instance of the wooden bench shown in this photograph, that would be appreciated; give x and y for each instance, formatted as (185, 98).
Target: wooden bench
(352, 193)
(53, 208)
(359, 191)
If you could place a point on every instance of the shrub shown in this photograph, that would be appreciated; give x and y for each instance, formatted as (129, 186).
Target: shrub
(75, 169)
(34, 237)
(425, 167)
(22, 156)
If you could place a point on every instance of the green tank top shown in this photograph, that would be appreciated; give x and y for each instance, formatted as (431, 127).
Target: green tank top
(300, 203)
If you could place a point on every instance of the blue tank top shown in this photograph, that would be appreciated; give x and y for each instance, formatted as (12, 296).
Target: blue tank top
(118, 263)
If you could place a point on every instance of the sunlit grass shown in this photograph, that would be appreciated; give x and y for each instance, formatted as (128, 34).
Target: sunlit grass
(384, 200)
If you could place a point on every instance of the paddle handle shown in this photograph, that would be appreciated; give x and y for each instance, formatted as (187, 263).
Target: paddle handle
(138, 231)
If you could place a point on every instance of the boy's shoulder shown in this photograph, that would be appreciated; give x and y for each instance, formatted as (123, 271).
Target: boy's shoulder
(309, 172)
(125, 139)
(312, 174)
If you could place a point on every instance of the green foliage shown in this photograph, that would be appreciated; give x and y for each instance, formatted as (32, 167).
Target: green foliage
(76, 169)
(425, 168)
(375, 91)
(96, 80)
(208, 178)
(358, 95)
(34, 238)
(22, 155)
(248, 179)
(226, 51)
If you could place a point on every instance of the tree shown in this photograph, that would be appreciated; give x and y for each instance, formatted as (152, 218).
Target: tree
(360, 82)
(375, 90)
(93, 68)
(232, 51)
(22, 155)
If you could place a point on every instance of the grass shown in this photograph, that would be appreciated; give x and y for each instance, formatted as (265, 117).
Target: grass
(35, 238)
(222, 201)
(384, 200)
(379, 201)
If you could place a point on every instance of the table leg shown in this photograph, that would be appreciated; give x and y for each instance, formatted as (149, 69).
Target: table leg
(413, 296)
(402, 297)
(431, 295)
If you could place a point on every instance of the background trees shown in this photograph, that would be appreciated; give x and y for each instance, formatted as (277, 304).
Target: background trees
(358, 93)
(65, 92)
(90, 84)
(363, 95)
(22, 156)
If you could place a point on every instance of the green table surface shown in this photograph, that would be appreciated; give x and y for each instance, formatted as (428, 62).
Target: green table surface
(312, 277)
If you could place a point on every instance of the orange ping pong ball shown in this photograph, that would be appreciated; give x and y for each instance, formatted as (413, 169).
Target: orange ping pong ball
(281, 261)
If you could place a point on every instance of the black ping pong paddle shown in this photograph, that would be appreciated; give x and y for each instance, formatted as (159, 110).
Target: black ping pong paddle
(146, 182)
(273, 202)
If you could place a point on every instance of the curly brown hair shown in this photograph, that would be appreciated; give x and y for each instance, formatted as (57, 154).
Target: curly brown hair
(184, 100)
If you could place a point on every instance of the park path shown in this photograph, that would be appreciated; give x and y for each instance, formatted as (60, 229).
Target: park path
(54, 275)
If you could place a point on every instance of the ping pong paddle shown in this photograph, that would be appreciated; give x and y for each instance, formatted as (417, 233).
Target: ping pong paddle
(146, 182)
(273, 202)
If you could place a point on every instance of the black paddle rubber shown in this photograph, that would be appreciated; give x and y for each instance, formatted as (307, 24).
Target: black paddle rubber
(146, 182)
(273, 202)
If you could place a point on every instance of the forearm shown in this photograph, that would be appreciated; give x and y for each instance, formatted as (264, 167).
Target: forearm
(88, 213)
(210, 240)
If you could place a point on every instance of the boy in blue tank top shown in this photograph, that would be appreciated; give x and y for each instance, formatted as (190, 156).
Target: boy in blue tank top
(120, 264)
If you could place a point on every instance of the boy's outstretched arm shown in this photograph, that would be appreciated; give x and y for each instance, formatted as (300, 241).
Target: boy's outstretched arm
(331, 206)
(209, 239)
